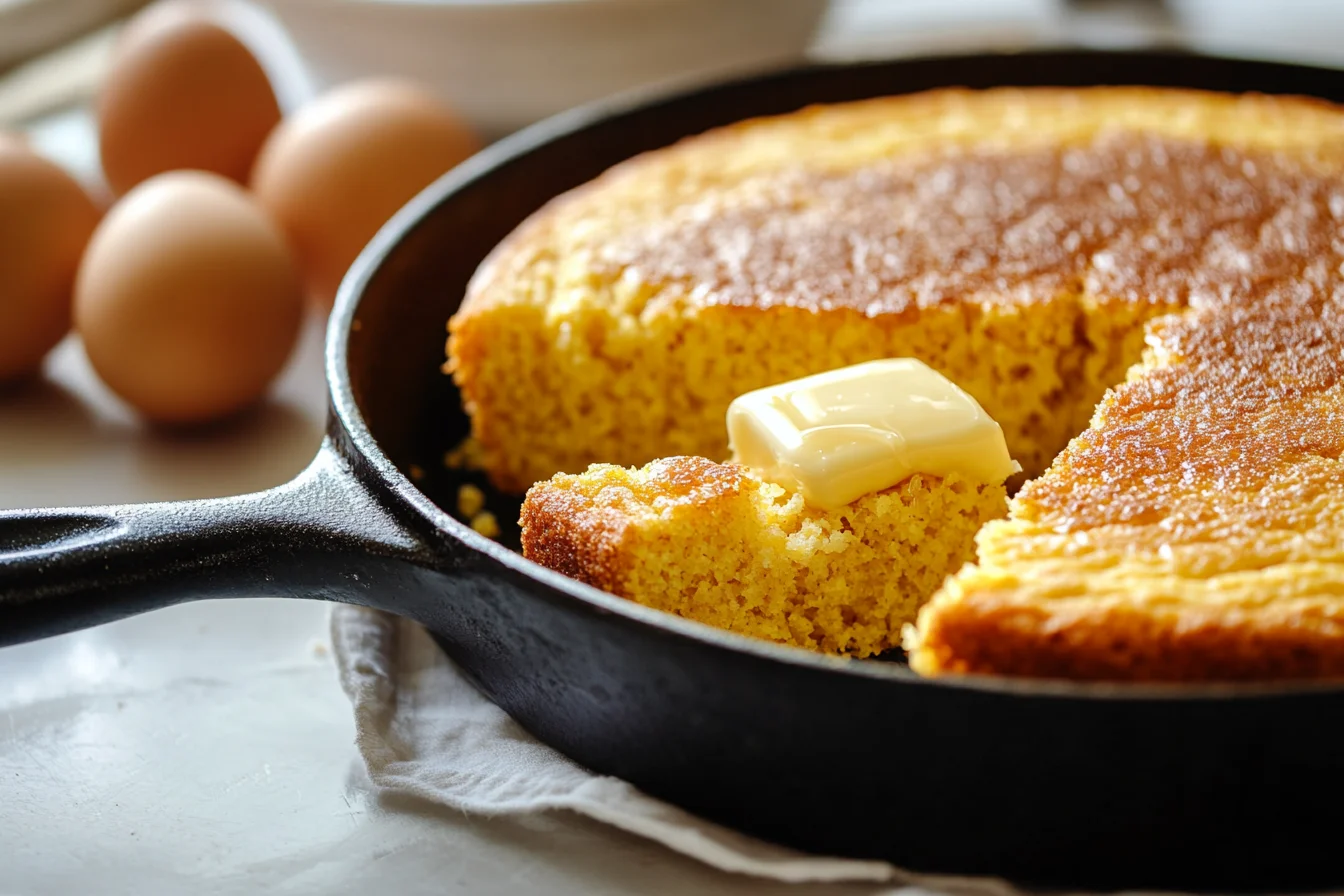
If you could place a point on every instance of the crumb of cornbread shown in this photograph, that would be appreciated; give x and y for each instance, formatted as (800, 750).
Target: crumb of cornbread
(470, 500)
(468, 455)
(714, 543)
(486, 524)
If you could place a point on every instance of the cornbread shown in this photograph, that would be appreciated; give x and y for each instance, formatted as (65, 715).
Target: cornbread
(470, 500)
(715, 543)
(1014, 240)
(485, 524)
(1028, 244)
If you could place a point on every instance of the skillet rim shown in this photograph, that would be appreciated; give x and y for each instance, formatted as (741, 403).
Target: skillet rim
(344, 412)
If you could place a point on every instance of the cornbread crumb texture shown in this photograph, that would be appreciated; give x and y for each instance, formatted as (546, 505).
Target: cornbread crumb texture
(468, 455)
(714, 543)
(471, 507)
(470, 500)
(485, 523)
(1017, 241)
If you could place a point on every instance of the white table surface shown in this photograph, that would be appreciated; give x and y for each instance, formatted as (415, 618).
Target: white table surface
(207, 748)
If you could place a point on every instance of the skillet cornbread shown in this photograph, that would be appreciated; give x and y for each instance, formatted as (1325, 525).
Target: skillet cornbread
(1025, 243)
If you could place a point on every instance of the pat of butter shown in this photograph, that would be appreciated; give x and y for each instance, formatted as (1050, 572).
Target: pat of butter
(840, 435)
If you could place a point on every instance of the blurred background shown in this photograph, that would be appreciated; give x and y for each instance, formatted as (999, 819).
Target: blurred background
(481, 51)
(504, 63)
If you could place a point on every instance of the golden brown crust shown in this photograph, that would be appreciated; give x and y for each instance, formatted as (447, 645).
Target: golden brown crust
(992, 634)
(561, 533)
(581, 532)
(1223, 444)
(951, 225)
(748, 167)
(1130, 218)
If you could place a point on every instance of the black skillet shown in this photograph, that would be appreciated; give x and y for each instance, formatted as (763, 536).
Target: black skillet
(1049, 783)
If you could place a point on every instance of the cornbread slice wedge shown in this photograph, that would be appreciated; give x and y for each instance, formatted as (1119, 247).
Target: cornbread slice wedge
(1196, 530)
(714, 543)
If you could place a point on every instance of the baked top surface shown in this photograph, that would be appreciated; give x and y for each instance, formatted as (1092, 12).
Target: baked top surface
(1130, 217)
(1235, 436)
(900, 203)
(1230, 205)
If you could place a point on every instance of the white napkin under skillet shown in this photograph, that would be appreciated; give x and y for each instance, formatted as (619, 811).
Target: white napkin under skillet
(423, 730)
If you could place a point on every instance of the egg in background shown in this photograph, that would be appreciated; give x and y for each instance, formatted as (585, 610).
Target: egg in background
(188, 299)
(181, 92)
(339, 167)
(46, 220)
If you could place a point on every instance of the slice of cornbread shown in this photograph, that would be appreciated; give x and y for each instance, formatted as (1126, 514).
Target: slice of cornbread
(714, 543)
(1196, 530)
(1016, 240)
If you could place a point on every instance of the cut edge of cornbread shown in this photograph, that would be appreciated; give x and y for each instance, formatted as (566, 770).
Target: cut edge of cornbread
(714, 543)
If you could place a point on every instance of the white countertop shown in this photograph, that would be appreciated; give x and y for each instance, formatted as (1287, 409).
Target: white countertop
(208, 748)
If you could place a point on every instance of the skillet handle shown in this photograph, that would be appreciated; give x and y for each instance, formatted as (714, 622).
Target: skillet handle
(321, 535)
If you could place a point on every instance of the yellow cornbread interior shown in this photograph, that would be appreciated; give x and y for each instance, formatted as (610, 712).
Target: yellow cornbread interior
(658, 381)
(568, 353)
(714, 543)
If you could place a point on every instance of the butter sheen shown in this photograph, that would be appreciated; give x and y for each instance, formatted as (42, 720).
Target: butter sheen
(837, 436)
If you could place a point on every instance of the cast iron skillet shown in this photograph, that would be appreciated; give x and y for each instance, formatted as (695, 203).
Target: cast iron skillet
(1049, 783)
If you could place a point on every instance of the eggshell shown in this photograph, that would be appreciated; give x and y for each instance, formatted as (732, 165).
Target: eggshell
(188, 300)
(333, 172)
(181, 92)
(46, 220)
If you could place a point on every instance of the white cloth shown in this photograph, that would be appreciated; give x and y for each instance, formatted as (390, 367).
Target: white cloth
(424, 730)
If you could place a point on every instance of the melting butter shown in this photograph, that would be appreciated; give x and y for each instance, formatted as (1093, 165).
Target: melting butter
(840, 435)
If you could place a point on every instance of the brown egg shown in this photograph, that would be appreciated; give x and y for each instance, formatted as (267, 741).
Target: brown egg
(333, 173)
(181, 92)
(46, 219)
(188, 300)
